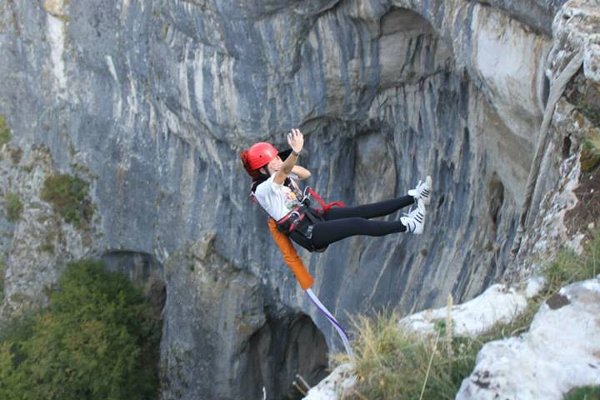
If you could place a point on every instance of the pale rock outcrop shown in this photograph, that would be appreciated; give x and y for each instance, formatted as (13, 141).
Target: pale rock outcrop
(575, 28)
(558, 352)
(338, 384)
(498, 304)
(561, 351)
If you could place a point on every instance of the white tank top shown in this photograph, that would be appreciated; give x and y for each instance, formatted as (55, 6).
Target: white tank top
(277, 200)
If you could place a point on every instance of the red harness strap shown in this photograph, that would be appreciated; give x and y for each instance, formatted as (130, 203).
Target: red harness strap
(324, 206)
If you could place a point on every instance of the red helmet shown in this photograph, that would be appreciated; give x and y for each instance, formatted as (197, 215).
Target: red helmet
(257, 156)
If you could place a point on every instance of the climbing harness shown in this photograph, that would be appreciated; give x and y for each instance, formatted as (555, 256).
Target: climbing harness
(298, 223)
(309, 192)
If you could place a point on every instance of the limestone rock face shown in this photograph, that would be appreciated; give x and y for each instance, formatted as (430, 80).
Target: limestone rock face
(39, 243)
(152, 102)
(219, 341)
(561, 189)
(219, 301)
(157, 99)
(538, 13)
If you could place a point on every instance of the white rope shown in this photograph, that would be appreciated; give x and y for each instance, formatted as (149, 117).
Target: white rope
(333, 321)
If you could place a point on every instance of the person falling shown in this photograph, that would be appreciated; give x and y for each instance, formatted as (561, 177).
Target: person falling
(291, 216)
(275, 188)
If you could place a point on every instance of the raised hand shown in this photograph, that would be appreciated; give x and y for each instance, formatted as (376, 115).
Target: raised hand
(296, 140)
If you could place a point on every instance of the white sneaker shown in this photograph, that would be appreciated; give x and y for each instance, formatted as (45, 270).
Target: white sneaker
(422, 191)
(415, 219)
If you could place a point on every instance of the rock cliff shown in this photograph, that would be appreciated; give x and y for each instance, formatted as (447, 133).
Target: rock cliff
(151, 101)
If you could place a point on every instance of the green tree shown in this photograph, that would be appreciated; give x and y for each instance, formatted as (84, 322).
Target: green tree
(87, 345)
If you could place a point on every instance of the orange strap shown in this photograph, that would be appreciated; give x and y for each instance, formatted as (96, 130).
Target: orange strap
(290, 256)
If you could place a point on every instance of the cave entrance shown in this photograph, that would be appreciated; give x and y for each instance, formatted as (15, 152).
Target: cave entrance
(141, 268)
(285, 348)
(145, 271)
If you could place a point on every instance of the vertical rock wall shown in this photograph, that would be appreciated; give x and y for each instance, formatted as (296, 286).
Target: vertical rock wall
(151, 101)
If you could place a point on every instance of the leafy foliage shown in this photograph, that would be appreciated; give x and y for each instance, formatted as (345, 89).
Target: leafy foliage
(2, 271)
(4, 132)
(13, 205)
(87, 345)
(69, 197)
(584, 393)
(568, 267)
(590, 152)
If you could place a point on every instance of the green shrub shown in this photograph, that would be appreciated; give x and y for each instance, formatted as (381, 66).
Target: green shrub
(4, 132)
(590, 153)
(14, 206)
(2, 271)
(69, 197)
(584, 393)
(89, 344)
(391, 363)
(18, 329)
(568, 267)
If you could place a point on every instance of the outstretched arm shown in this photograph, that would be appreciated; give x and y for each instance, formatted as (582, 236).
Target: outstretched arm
(301, 172)
(296, 141)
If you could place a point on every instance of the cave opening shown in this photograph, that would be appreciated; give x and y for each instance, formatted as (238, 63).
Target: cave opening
(286, 352)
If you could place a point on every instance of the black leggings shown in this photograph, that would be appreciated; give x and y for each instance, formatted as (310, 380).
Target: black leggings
(343, 222)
